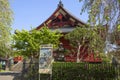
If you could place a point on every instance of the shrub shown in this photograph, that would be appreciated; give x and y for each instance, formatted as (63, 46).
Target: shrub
(76, 71)
(105, 58)
(83, 71)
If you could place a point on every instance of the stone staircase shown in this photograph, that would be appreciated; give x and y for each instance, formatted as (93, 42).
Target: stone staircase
(17, 67)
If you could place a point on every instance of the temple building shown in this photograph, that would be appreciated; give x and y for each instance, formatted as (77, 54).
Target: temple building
(65, 22)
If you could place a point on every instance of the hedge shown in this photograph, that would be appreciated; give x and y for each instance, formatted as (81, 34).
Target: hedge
(84, 71)
(76, 71)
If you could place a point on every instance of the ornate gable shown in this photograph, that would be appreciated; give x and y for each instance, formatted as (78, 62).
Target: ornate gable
(61, 18)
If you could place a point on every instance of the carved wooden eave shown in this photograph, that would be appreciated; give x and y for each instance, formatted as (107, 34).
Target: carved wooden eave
(62, 19)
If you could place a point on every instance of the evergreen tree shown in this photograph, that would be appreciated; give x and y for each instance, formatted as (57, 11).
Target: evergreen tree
(82, 36)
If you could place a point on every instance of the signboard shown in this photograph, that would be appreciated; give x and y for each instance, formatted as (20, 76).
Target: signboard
(45, 59)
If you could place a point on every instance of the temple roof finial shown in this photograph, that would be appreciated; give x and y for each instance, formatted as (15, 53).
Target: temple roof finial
(60, 3)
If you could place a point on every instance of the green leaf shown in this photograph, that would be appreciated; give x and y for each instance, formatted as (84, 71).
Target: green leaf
(29, 42)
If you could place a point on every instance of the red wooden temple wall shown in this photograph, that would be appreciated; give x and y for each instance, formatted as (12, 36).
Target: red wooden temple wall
(85, 55)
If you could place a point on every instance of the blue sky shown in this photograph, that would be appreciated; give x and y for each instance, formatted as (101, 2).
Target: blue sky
(31, 13)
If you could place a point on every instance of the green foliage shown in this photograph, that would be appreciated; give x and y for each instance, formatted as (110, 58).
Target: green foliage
(115, 36)
(75, 71)
(105, 58)
(89, 37)
(86, 36)
(83, 71)
(118, 27)
(28, 43)
(102, 11)
(5, 23)
(116, 54)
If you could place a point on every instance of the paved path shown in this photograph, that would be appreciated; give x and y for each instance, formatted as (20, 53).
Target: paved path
(10, 76)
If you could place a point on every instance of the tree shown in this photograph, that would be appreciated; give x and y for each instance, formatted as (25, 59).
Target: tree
(115, 37)
(28, 43)
(85, 36)
(103, 11)
(5, 23)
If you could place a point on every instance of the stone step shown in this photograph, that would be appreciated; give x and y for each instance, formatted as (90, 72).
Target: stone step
(17, 67)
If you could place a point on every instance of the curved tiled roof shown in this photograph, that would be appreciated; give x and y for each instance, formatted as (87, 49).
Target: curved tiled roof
(60, 7)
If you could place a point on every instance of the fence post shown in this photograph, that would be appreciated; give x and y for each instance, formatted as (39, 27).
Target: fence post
(31, 71)
(118, 71)
(23, 69)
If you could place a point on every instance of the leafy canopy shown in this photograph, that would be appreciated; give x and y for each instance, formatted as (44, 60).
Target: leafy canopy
(28, 43)
(86, 36)
(102, 11)
(5, 23)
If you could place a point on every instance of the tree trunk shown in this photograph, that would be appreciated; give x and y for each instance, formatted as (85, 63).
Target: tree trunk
(78, 53)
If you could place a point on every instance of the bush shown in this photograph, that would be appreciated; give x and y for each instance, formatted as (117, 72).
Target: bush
(76, 71)
(83, 71)
(105, 58)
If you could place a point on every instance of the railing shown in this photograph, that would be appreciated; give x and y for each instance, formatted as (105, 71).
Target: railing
(83, 71)
(73, 71)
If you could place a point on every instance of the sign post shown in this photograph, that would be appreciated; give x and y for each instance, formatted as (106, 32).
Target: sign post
(45, 59)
